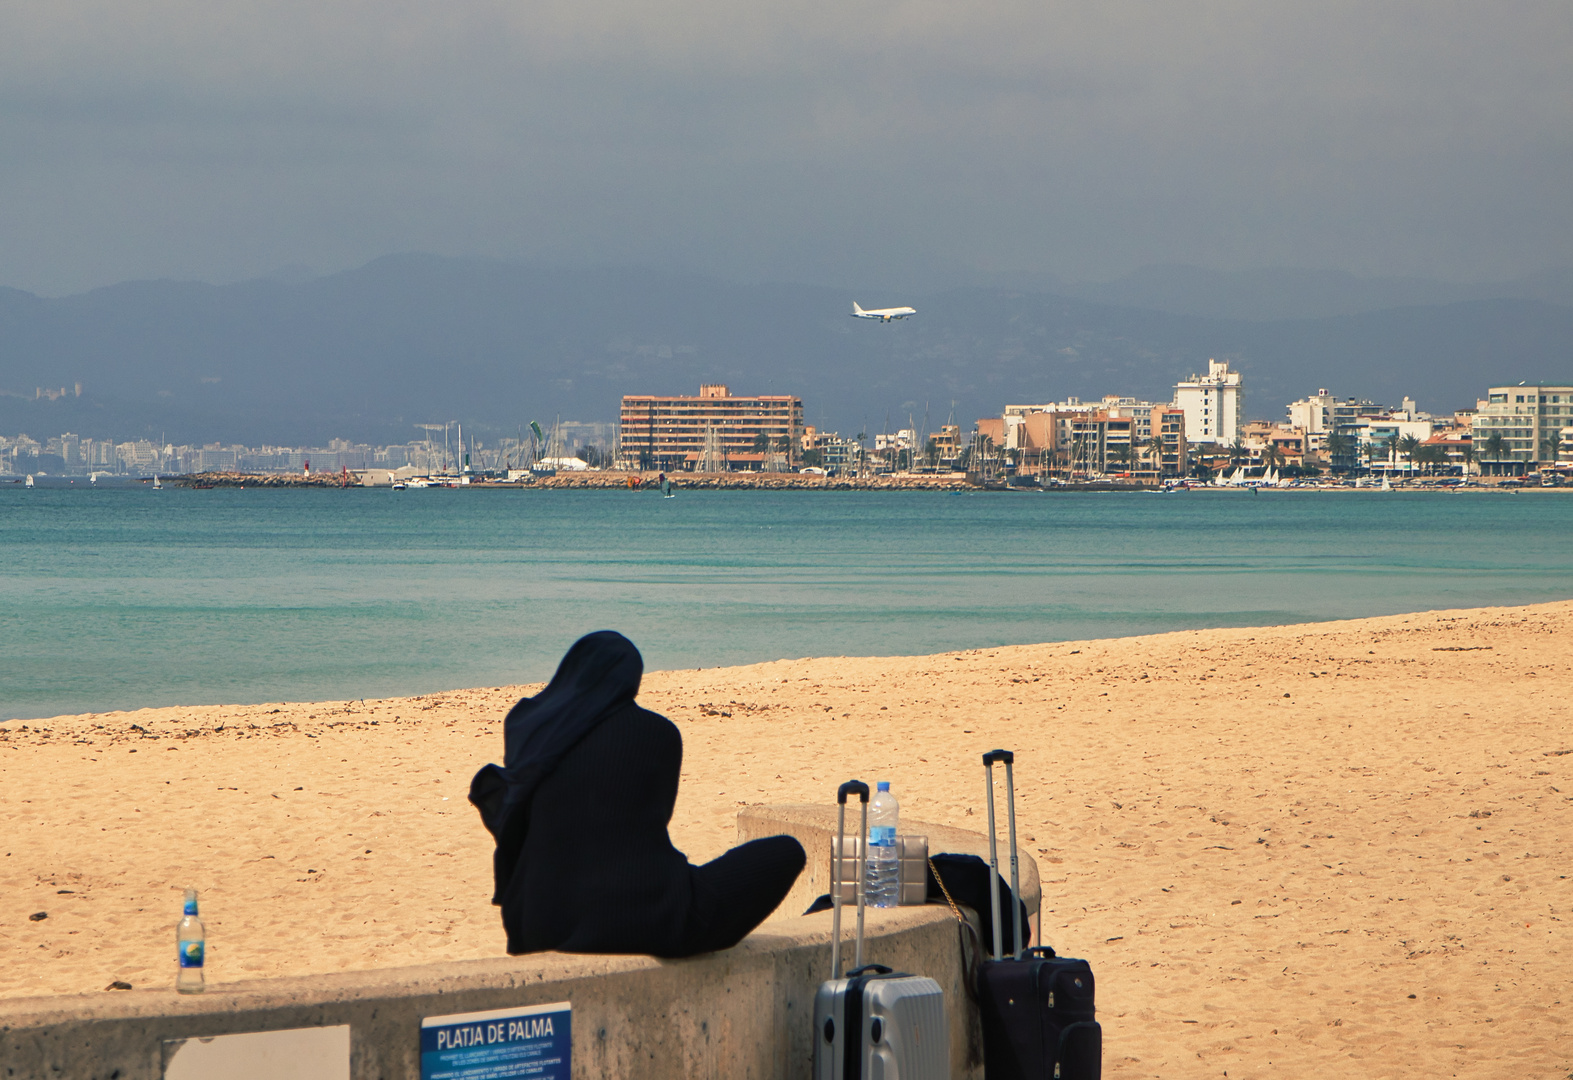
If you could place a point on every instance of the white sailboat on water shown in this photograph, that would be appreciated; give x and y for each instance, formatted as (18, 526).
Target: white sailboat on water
(29, 480)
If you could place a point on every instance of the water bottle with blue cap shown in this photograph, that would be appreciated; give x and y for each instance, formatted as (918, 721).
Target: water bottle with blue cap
(884, 866)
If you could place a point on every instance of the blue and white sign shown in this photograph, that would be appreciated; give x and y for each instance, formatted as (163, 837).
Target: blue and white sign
(535, 1042)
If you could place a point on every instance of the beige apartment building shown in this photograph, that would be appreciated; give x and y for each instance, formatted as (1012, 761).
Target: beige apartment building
(712, 432)
(1531, 420)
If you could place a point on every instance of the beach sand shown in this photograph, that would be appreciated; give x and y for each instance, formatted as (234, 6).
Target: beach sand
(1334, 849)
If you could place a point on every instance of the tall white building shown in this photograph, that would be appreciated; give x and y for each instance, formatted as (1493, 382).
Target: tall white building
(1211, 404)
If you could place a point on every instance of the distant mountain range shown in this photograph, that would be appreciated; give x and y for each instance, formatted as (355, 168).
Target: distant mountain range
(1280, 293)
(369, 353)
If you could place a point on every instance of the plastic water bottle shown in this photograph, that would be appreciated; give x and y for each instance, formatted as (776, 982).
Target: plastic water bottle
(884, 867)
(191, 938)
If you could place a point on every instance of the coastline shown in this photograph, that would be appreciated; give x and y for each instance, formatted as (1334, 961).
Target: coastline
(1282, 845)
(608, 480)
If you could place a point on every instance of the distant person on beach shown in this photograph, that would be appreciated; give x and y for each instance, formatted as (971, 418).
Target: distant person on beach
(579, 810)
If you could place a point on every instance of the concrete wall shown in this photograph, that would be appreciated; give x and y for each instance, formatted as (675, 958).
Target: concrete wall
(743, 1013)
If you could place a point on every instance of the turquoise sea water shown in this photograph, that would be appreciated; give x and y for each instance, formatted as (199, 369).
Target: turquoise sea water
(115, 598)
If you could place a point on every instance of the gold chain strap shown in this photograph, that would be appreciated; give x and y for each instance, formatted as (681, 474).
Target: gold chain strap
(954, 910)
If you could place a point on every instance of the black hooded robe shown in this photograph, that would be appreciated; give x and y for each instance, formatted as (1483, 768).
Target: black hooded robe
(580, 811)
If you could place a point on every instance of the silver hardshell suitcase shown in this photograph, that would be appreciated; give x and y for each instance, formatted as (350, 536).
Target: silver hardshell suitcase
(874, 1023)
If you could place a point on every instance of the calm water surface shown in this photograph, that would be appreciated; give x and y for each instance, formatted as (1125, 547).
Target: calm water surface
(116, 598)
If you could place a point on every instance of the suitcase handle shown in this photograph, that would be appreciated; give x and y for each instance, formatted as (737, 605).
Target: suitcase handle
(878, 969)
(860, 789)
(1009, 758)
(1043, 952)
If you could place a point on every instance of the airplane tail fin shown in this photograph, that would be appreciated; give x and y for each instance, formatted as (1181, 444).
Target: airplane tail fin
(855, 309)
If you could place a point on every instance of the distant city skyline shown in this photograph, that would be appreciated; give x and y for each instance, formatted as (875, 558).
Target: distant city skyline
(717, 431)
(370, 354)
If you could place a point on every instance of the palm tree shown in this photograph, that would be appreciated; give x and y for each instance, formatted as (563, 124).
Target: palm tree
(1155, 450)
(1339, 446)
(1551, 447)
(1467, 452)
(1407, 447)
(1429, 455)
(1123, 455)
(1273, 456)
(1495, 448)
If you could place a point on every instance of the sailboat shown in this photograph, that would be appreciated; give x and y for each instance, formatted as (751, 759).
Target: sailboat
(1387, 485)
(156, 485)
(29, 480)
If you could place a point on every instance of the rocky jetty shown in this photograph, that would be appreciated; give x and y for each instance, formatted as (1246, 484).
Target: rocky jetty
(267, 480)
(616, 480)
(755, 481)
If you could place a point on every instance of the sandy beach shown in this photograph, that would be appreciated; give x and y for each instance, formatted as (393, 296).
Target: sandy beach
(1331, 849)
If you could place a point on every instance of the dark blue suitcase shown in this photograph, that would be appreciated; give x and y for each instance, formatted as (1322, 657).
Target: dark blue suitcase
(1039, 1020)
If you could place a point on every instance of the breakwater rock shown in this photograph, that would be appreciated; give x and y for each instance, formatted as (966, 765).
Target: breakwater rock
(756, 481)
(268, 480)
(609, 480)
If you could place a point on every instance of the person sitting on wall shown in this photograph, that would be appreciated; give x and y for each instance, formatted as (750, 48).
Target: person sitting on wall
(579, 811)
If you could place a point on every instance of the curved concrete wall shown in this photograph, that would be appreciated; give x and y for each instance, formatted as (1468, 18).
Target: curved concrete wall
(743, 1013)
(746, 1012)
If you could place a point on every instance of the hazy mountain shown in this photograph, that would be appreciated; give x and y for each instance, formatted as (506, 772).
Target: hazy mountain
(369, 353)
(1286, 293)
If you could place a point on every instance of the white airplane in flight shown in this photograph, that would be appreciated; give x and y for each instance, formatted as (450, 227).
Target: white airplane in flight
(884, 314)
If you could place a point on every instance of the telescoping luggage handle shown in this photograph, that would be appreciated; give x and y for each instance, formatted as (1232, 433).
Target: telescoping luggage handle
(994, 872)
(860, 789)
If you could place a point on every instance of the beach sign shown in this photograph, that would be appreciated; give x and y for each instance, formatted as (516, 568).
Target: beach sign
(535, 1042)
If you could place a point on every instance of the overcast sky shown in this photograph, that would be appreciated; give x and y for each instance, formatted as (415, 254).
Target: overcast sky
(832, 141)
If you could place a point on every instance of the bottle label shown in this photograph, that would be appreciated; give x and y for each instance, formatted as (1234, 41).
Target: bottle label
(191, 954)
(882, 836)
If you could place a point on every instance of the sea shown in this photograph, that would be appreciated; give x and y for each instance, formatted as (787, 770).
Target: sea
(122, 597)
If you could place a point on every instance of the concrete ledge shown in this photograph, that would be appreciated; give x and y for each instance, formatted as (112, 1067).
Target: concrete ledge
(814, 825)
(743, 1013)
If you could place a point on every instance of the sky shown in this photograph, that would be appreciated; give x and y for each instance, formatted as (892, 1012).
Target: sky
(911, 143)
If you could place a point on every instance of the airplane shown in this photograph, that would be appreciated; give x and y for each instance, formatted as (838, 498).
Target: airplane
(884, 314)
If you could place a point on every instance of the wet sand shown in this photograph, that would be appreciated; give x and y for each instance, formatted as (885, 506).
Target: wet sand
(1332, 849)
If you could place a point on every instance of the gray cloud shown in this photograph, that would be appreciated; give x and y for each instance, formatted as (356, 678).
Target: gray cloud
(895, 141)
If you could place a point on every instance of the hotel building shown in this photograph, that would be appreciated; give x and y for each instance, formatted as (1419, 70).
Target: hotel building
(1527, 417)
(714, 430)
(1211, 404)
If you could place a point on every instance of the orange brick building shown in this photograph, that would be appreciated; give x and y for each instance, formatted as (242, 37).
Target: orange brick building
(714, 430)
